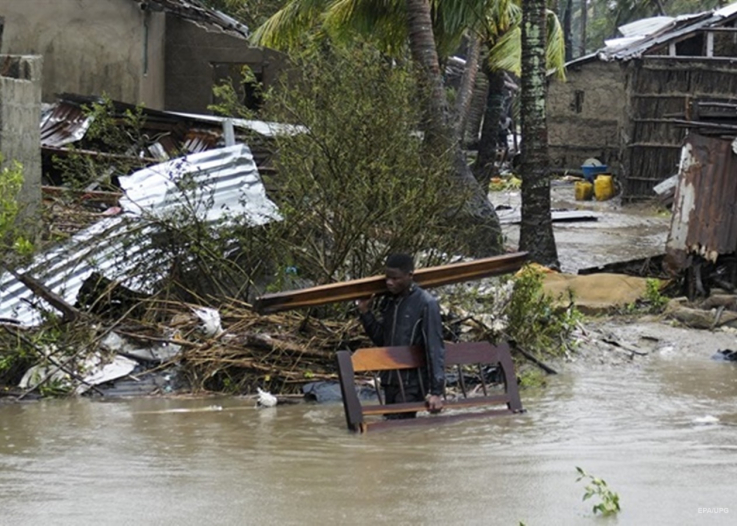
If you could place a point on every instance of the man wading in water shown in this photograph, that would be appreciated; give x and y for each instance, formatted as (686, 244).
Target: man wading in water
(409, 316)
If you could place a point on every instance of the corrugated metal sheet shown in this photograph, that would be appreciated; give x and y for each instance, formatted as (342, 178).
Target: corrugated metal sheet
(645, 35)
(704, 212)
(65, 123)
(195, 11)
(117, 246)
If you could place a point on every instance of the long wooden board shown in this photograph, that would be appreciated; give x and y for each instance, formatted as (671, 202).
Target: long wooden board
(365, 287)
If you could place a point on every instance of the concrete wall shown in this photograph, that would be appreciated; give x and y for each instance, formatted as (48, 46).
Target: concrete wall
(89, 46)
(153, 81)
(20, 114)
(191, 52)
(586, 115)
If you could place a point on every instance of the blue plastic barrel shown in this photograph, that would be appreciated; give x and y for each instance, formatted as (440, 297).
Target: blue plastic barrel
(590, 172)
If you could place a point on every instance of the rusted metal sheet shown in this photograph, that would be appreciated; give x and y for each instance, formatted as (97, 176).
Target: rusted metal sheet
(704, 212)
(361, 288)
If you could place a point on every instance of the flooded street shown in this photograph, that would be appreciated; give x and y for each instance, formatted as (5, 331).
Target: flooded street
(618, 234)
(661, 429)
(221, 461)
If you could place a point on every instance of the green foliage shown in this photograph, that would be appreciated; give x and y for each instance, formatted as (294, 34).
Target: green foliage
(202, 257)
(653, 296)
(357, 183)
(118, 134)
(227, 100)
(653, 301)
(608, 500)
(252, 13)
(11, 238)
(11, 181)
(532, 378)
(534, 322)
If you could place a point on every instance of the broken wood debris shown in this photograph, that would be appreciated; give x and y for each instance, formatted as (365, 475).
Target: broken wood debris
(375, 285)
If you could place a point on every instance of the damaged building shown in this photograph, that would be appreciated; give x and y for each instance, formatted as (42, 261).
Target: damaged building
(621, 104)
(166, 54)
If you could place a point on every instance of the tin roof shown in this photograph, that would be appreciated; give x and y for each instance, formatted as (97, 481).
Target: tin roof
(195, 11)
(226, 181)
(640, 37)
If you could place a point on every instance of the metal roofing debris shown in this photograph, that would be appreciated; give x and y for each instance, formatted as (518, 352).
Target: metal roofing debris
(171, 133)
(646, 26)
(117, 246)
(196, 12)
(704, 216)
(644, 35)
(267, 129)
(224, 181)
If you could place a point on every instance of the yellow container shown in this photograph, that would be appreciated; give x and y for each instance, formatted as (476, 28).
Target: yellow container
(604, 187)
(584, 190)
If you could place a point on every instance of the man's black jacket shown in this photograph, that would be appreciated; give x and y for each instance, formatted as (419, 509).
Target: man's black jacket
(413, 319)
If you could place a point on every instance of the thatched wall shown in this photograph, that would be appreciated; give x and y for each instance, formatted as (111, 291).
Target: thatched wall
(585, 115)
(660, 88)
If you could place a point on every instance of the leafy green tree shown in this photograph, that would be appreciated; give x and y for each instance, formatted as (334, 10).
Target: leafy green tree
(358, 182)
(392, 25)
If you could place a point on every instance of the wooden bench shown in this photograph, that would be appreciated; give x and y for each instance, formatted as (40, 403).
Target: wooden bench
(457, 356)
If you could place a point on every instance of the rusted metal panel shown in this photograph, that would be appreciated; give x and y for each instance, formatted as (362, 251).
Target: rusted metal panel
(704, 211)
(362, 288)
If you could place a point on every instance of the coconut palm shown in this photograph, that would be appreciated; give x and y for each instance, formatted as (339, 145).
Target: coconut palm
(502, 35)
(536, 232)
(393, 23)
(433, 28)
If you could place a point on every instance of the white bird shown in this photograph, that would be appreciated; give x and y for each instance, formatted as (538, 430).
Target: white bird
(210, 321)
(265, 398)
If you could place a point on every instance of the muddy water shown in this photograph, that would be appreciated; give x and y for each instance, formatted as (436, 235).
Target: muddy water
(221, 461)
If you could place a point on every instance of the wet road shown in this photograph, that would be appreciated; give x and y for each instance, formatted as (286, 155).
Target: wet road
(619, 234)
(221, 461)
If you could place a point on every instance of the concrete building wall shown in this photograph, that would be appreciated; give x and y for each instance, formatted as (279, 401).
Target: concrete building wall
(153, 81)
(587, 114)
(191, 56)
(90, 47)
(20, 113)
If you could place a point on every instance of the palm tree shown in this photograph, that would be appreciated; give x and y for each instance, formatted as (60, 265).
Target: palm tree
(342, 18)
(536, 234)
(503, 38)
(432, 28)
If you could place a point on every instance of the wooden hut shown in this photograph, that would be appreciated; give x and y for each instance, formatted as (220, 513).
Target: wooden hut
(620, 103)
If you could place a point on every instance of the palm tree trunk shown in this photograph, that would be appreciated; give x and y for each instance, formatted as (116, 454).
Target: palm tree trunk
(465, 90)
(480, 225)
(485, 166)
(567, 35)
(536, 234)
(425, 55)
(584, 23)
(476, 111)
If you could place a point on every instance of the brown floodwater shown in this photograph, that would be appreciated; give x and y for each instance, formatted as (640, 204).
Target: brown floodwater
(222, 461)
